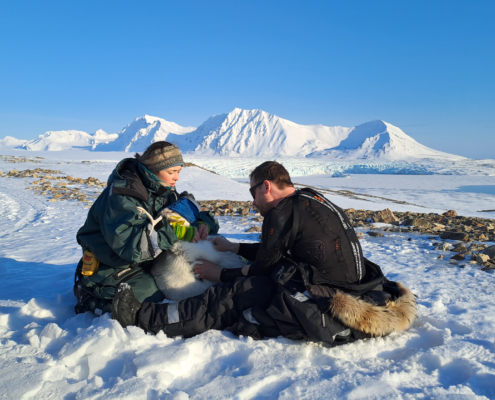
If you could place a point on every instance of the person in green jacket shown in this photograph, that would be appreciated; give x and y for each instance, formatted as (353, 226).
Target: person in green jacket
(118, 239)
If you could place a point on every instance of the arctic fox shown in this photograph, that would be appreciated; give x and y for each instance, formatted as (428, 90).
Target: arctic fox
(173, 272)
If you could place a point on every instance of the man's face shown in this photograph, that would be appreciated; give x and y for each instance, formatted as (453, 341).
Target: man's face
(260, 201)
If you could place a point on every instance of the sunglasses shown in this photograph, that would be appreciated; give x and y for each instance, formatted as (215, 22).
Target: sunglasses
(253, 188)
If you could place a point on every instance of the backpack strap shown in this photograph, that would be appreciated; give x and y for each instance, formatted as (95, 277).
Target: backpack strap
(295, 221)
(357, 252)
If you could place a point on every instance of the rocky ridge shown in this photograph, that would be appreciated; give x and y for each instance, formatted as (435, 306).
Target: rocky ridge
(58, 187)
(21, 159)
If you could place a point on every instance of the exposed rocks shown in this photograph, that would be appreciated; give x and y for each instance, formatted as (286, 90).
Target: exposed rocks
(450, 213)
(375, 234)
(419, 222)
(480, 258)
(20, 159)
(489, 266)
(64, 189)
(188, 164)
(442, 246)
(490, 251)
(229, 207)
(478, 247)
(386, 216)
(459, 248)
(449, 226)
(455, 236)
(467, 229)
(254, 228)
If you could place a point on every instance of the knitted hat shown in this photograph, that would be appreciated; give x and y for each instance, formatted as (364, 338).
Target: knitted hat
(166, 157)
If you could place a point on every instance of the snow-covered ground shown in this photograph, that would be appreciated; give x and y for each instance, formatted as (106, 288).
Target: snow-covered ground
(48, 352)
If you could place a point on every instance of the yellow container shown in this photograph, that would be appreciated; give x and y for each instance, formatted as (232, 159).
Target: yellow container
(90, 264)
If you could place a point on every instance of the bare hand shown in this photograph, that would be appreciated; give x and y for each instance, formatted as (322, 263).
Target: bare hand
(207, 270)
(222, 244)
(196, 237)
(203, 231)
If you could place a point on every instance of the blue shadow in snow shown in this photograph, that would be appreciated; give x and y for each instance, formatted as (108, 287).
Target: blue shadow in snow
(21, 280)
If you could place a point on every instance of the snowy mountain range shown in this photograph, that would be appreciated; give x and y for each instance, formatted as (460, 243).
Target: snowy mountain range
(245, 133)
(140, 133)
(60, 140)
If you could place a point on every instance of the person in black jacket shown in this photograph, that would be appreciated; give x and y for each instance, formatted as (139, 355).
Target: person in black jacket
(308, 280)
(323, 237)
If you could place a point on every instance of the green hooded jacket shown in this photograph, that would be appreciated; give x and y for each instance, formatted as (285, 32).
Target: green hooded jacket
(119, 236)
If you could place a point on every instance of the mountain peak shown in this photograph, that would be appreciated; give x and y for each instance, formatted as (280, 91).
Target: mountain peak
(254, 133)
(149, 119)
(142, 132)
(380, 139)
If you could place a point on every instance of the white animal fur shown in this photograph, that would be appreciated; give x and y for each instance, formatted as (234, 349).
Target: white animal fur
(173, 272)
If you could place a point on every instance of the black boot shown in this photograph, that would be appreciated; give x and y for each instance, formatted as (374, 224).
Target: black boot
(125, 306)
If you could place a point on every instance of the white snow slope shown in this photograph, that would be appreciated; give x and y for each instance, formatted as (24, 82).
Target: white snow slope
(255, 133)
(142, 132)
(48, 352)
(64, 140)
(380, 140)
(10, 142)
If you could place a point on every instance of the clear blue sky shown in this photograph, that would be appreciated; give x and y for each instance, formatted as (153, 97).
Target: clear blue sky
(425, 66)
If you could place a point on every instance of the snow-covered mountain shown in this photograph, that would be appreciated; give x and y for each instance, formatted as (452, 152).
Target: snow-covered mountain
(247, 133)
(143, 131)
(380, 140)
(64, 140)
(10, 142)
(254, 133)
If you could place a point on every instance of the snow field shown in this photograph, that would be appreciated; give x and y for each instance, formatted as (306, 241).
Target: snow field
(449, 350)
(48, 352)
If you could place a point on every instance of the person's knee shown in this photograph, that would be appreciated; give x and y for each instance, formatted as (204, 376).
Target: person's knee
(145, 288)
(253, 291)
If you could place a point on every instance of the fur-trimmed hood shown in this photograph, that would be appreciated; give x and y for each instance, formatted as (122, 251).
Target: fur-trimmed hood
(394, 316)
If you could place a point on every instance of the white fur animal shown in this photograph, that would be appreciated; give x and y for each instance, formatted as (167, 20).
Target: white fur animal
(172, 269)
(173, 272)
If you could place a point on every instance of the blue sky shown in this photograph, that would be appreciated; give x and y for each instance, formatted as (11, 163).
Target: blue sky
(425, 66)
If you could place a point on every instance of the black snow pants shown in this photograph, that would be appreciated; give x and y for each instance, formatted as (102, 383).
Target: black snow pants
(255, 306)
(219, 307)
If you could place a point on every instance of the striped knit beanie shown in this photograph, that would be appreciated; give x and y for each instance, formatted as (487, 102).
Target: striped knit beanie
(166, 157)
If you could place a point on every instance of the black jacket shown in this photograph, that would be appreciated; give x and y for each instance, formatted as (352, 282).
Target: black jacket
(321, 240)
